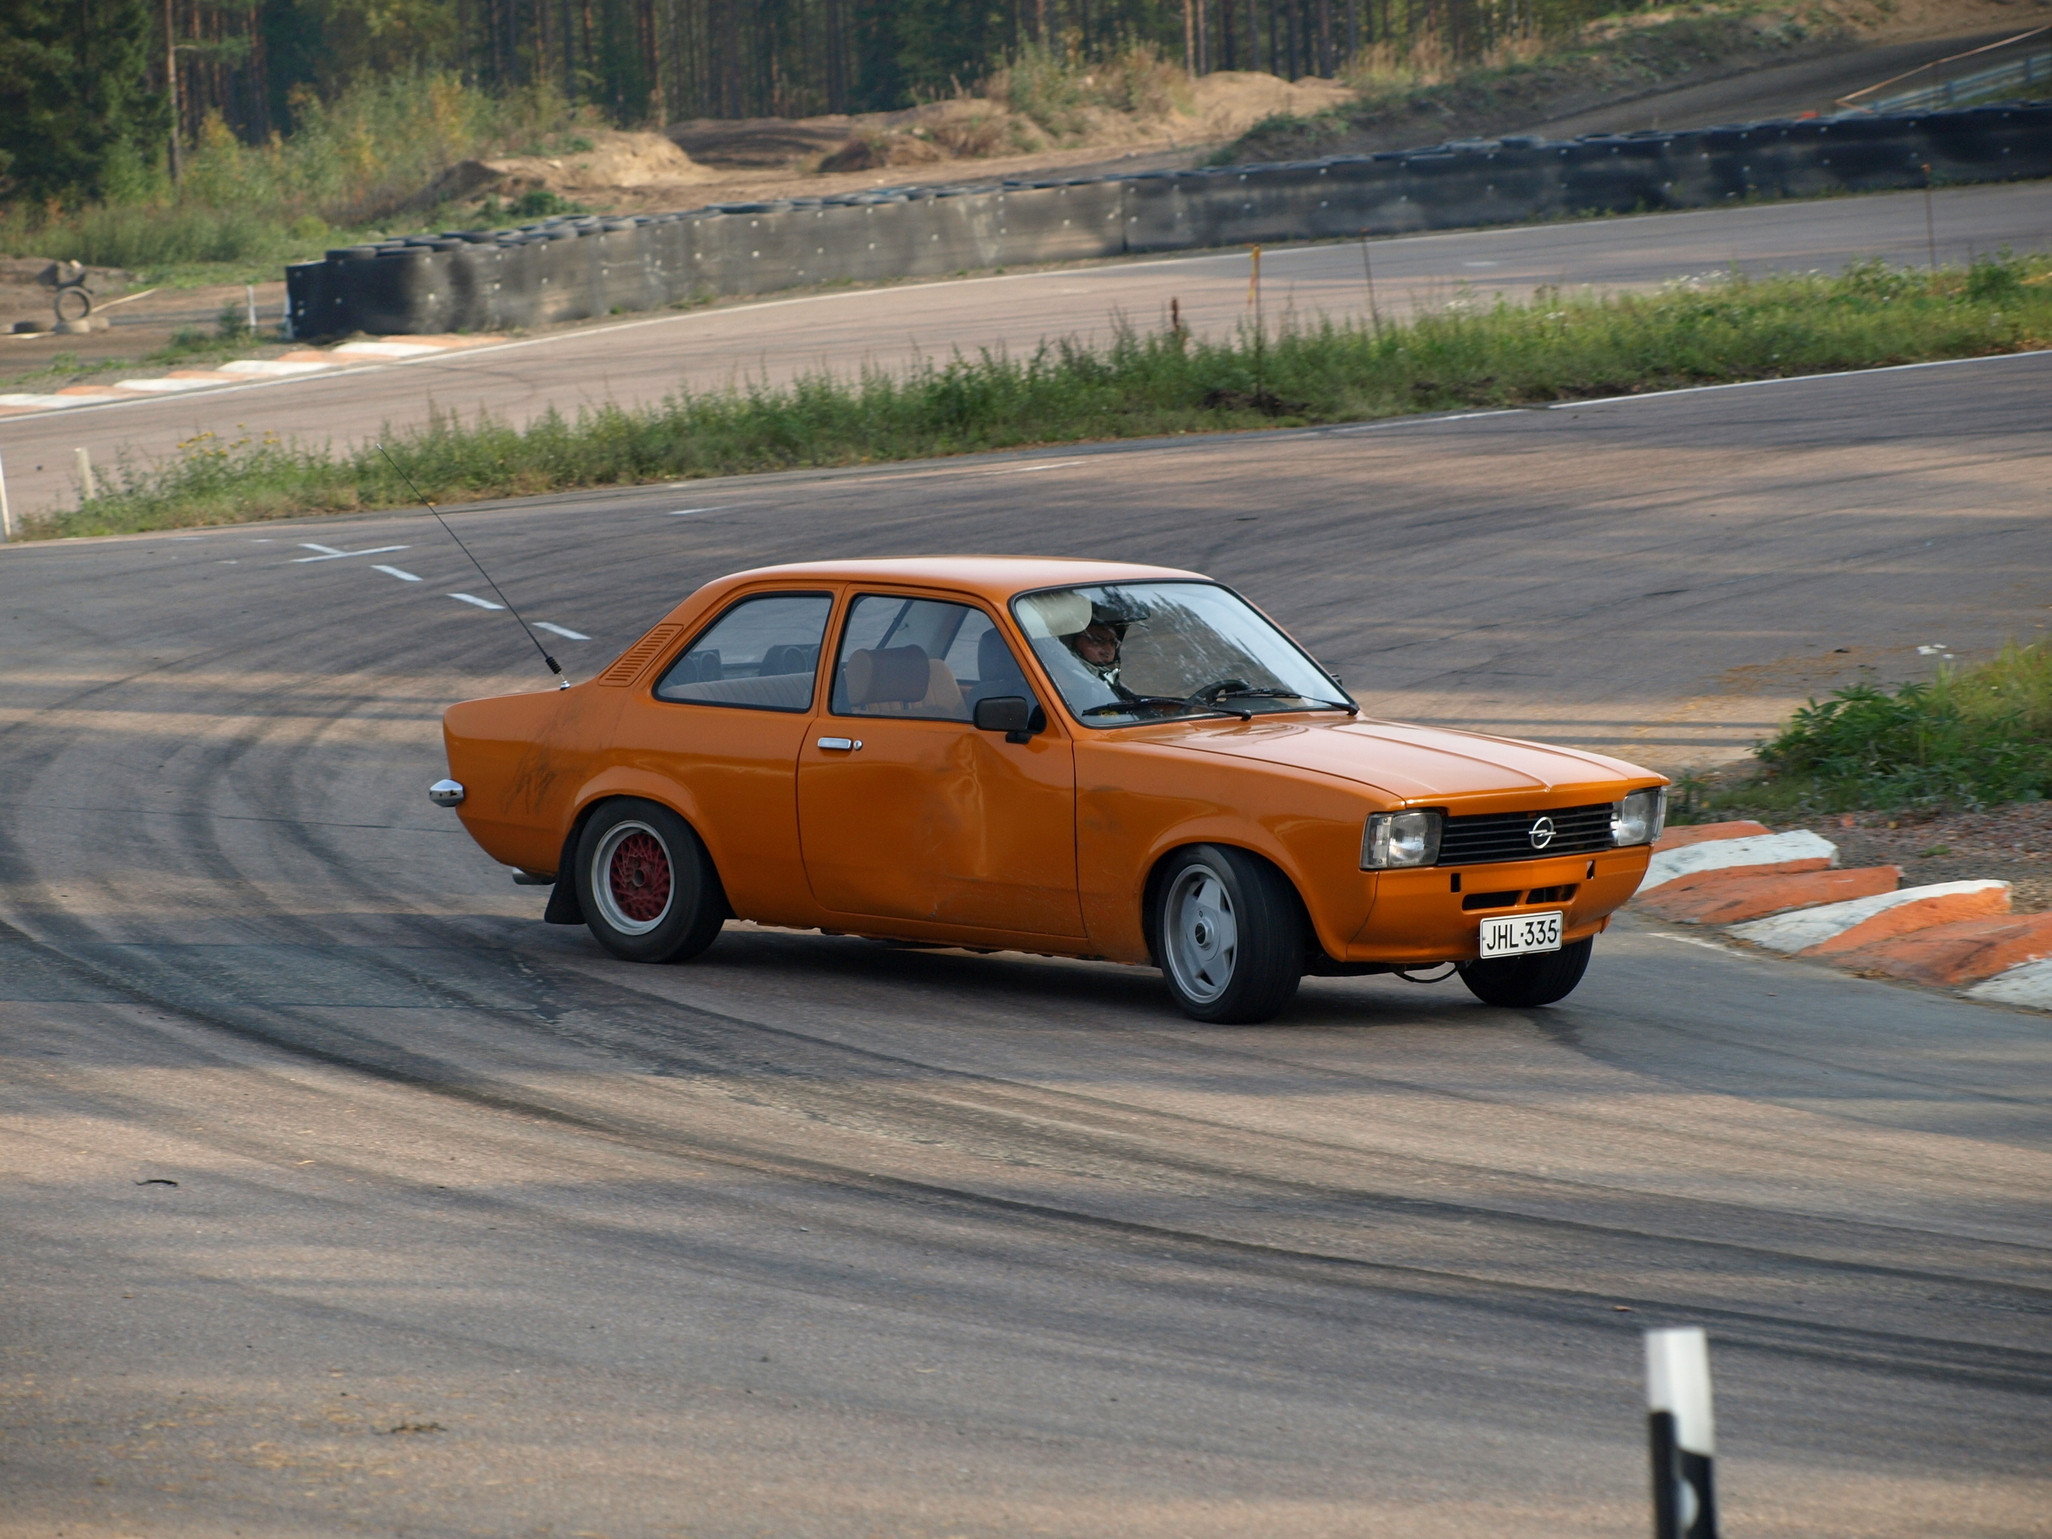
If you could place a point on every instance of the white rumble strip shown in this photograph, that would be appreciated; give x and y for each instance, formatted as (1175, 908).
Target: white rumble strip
(243, 373)
(1814, 926)
(2030, 985)
(2027, 983)
(1723, 854)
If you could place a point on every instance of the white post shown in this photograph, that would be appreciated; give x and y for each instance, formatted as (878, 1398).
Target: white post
(86, 491)
(1683, 1432)
(6, 514)
(249, 290)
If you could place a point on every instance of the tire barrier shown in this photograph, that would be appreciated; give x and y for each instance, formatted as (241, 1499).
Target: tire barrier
(568, 269)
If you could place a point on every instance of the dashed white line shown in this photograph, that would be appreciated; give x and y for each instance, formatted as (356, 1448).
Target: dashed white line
(329, 553)
(393, 571)
(472, 598)
(560, 630)
(687, 512)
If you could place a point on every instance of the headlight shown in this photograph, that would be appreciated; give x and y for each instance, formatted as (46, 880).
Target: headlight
(1639, 817)
(1400, 839)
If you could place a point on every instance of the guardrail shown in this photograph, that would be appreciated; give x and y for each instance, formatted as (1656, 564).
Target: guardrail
(2014, 78)
(575, 269)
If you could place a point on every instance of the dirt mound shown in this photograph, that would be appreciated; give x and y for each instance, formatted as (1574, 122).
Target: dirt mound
(1213, 108)
(1232, 101)
(754, 143)
(645, 164)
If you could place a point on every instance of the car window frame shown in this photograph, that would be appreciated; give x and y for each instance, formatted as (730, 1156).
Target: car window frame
(832, 593)
(1196, 715)
(998, 615)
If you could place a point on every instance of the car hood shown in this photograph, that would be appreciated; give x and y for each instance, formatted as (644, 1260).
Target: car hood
(1411, 763)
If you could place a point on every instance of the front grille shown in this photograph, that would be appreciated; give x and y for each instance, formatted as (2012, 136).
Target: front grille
(1492, 836)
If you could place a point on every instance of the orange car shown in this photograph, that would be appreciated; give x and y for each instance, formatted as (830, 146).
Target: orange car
(1077, 758)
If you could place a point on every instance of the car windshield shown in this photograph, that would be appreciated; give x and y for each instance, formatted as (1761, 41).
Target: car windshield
(1122, 653)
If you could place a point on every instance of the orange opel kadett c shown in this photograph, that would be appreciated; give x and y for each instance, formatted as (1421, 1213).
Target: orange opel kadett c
(1077, 758)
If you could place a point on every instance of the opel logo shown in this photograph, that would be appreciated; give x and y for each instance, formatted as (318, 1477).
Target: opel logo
(1542, 833)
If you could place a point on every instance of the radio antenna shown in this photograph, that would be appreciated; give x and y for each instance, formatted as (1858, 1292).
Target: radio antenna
(554, 666)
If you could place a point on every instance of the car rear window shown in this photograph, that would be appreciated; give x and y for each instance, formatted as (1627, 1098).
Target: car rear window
(762, 654)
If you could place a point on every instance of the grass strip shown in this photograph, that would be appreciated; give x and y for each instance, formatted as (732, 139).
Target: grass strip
(1151, 384)
(1970, 738)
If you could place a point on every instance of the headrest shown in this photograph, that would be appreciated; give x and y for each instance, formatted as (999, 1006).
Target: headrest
(1062, 612)
(891, 676)
(994, 659)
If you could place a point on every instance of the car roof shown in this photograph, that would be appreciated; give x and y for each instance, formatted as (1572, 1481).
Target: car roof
(992, 577)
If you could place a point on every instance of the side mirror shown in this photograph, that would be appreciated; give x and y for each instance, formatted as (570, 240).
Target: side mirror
(1010, 714)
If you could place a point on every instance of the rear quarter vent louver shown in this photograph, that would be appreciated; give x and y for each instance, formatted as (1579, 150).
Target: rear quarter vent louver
(630, 664)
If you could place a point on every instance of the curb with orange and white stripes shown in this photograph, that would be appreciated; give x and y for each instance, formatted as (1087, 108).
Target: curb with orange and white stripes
(246, 371)
(1787, 893)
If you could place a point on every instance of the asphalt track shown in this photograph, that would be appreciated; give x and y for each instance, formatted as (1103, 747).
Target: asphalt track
(641, 360)
(476, 1231)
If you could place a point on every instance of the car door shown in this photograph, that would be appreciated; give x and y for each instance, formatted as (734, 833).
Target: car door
(905, 809)
(725, 722)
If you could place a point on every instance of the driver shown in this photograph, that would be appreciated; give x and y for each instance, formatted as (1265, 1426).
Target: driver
(1097, 647)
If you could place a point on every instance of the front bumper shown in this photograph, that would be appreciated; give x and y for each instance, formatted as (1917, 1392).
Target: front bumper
(1435, 914)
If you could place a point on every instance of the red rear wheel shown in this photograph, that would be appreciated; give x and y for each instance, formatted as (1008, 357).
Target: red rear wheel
(638, 876)
(645, 884)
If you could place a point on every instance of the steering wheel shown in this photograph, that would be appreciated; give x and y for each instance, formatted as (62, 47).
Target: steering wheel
(1209, 694)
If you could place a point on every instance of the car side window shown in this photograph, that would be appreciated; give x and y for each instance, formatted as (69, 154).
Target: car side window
(922, 658)
(763, 653)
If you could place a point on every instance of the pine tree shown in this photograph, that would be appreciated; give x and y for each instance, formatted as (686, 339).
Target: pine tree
(76, 103)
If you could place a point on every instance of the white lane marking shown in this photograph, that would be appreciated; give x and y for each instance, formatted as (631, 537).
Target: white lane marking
(1385, 424)
(393, 571)
(1020, 470)
(687, 512)
(556, 630)
(329, 553)
(1793, 379)
(1690, 940)
(472, 598)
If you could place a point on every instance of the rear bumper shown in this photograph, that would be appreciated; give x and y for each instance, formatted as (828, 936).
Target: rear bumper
(1436, 914)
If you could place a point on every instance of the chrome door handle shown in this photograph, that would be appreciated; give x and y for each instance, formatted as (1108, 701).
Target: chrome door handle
(841, 744)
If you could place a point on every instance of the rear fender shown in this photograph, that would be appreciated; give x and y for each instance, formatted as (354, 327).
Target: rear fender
(613, 783)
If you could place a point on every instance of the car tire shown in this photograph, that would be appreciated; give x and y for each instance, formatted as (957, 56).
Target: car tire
(1519, 983)
(645, 883)
(1228, 934)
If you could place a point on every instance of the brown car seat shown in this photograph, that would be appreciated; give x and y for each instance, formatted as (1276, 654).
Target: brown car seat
(902, 681)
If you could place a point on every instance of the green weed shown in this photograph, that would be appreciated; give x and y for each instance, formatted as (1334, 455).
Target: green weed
(1140, 385)
(1967, 738)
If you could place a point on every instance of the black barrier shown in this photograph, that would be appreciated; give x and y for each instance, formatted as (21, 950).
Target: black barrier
(575, 268)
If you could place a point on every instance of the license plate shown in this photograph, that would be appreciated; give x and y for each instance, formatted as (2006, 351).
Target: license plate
(1521, 932)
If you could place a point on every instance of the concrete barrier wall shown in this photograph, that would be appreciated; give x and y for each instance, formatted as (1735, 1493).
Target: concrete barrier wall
(573, 269)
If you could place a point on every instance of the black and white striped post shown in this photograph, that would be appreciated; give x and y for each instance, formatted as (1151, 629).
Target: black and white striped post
(1683, 1432)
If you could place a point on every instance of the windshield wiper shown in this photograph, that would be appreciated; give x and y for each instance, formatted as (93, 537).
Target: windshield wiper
(1130, 707)
(1288, 694)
